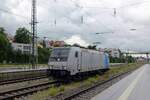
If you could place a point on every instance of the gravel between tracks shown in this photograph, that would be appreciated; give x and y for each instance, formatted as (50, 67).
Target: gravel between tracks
(13, 86)
(91, 93)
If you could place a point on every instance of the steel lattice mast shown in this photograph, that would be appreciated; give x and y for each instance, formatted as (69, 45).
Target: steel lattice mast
(34, 34)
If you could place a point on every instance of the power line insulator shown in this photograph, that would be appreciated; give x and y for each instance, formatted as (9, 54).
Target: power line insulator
(115, 12)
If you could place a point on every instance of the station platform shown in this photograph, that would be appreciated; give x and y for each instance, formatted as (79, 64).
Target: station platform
(20, 69)
(135, 86)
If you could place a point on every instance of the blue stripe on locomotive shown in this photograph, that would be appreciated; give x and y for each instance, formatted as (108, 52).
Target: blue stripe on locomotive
(106, 61)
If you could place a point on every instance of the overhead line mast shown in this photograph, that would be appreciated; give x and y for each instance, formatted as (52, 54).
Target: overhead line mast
(34, 34)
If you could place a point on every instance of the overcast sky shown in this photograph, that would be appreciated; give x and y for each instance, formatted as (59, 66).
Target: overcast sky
(98, 16)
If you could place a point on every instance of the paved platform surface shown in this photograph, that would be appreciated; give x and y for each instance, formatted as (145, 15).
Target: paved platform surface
(135, 86)
(8, 70)
(20, 69)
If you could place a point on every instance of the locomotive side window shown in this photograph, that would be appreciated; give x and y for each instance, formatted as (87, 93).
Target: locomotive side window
(76, 54)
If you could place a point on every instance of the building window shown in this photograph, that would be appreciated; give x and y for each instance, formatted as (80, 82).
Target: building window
(19, 45)
(26, 52)
(26, 47)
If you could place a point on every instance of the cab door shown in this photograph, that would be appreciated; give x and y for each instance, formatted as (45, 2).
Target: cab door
(74, 62)
(77, 59)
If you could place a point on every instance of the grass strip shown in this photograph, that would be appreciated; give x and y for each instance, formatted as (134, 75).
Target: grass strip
(91, 80)
(20, 65)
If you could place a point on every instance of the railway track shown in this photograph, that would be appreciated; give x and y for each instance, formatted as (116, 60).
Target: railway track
(21, 76)
(77, 94)
(11, 81)
(23, 91)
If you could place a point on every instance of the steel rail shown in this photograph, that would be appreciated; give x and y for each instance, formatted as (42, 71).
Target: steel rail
(11, 81)
(76, 94)
(23, 91)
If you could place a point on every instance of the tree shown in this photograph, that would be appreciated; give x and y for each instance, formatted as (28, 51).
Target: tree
(22, 36)
(2, 30)
(4, 45)
(76, 45)
(130, 59)
(67, 45)
(92, 47)
(43, 55)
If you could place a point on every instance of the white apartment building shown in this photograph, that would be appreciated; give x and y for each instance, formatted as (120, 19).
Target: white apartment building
(112, 52)
(115, 53)
(24, 48)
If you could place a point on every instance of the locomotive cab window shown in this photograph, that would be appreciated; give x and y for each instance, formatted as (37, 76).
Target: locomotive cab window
(60, 54)
(76, 54)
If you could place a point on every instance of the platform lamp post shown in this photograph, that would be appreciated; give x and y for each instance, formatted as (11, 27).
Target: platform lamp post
(147, 56)
(44, 41)
(132, 29)
(127, 55)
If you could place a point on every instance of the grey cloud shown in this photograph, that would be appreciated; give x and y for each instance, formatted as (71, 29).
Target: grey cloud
(69, 24)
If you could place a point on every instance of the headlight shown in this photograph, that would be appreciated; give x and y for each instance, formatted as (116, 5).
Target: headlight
(64, 67)
(50, 67)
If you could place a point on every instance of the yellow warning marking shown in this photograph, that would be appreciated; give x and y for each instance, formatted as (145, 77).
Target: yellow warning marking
(130, 88)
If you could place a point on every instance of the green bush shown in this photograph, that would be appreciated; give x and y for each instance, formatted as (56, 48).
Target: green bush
(53, 91)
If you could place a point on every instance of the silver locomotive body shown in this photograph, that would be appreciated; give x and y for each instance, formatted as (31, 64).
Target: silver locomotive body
(74, 60)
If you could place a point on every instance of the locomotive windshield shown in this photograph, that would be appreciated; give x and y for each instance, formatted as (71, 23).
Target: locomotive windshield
(59, 54)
